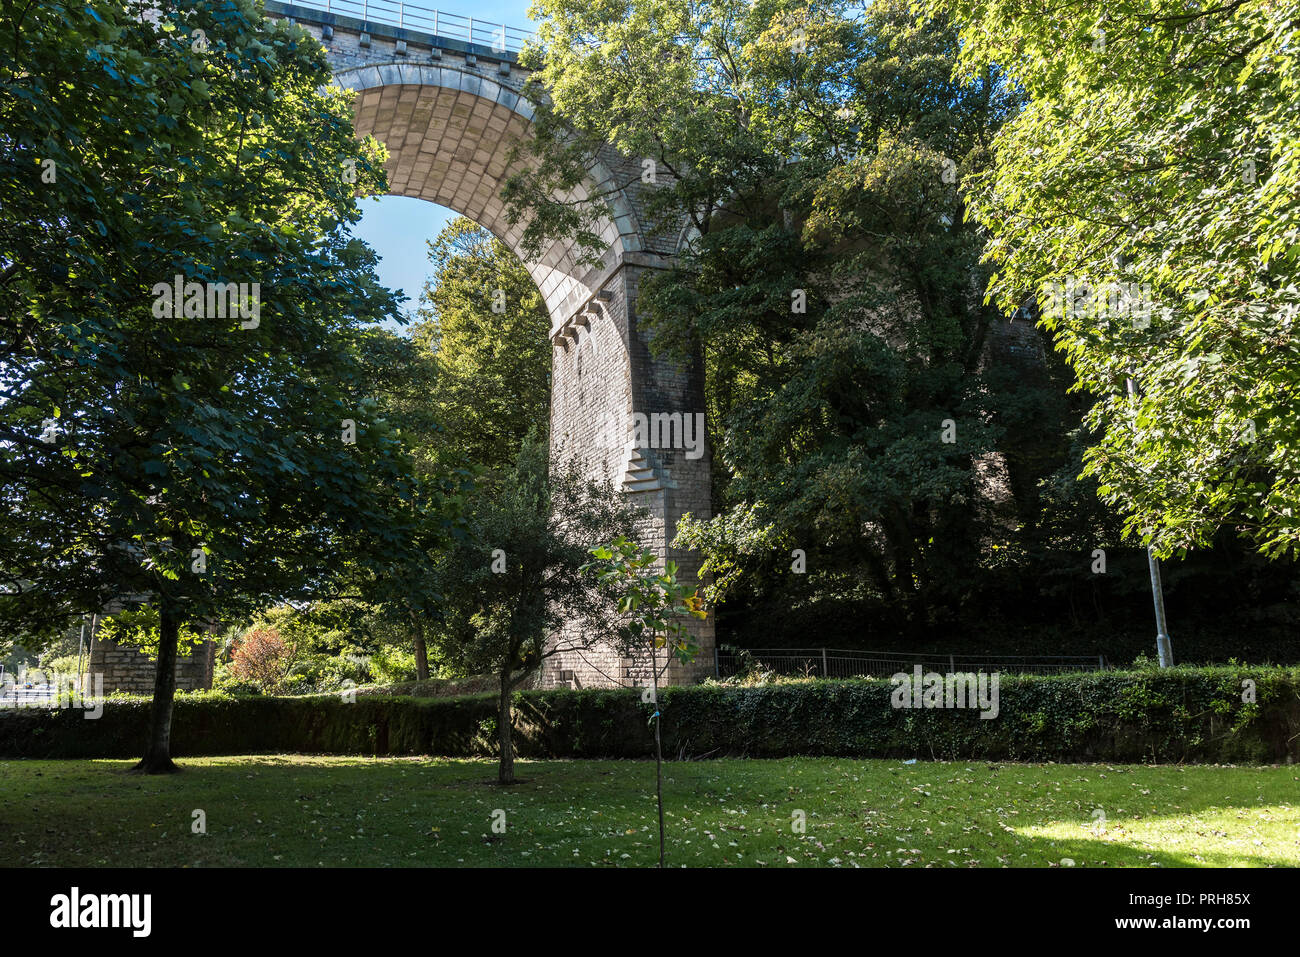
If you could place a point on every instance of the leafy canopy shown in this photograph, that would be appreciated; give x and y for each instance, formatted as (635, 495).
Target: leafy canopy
(1158, 154)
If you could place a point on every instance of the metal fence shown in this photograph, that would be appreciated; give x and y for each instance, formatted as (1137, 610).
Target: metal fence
(408, 16)
(841, 663)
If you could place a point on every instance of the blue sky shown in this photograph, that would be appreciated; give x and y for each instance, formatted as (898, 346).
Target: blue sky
(397, 227)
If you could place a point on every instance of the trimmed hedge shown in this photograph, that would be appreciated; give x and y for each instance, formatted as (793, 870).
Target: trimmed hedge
(1181, 714)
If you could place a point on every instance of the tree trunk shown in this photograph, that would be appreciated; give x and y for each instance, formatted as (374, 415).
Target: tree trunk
(421, 653)
(506, 772)
(903, 547)
(158, 759)
(659, 759)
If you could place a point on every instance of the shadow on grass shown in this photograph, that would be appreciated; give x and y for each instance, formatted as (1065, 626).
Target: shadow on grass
(282, 810)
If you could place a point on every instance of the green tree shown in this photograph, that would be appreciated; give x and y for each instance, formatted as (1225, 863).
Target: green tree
(486, 325)
(1146, 198)
(464, 390)
(140, 627)
(481, 361)
(830, 285)
(205, 458)
(512, 590)
(402, 600)
(654, 604)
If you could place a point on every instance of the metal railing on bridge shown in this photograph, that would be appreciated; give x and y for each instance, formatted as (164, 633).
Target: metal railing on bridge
(408, 16)
(841, 663)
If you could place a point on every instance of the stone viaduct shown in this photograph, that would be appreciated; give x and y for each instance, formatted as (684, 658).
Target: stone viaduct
(449, 111)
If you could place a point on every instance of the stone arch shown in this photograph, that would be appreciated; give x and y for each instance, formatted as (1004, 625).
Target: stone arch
(448, 131)
(449, 111)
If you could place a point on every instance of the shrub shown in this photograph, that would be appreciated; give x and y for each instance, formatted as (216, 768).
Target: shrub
(225, 681)
(62, 666)
(1178, 714)
(390, 664)
(261, 658)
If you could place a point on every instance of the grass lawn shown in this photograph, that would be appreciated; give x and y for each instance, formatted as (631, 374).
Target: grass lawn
(293, 810)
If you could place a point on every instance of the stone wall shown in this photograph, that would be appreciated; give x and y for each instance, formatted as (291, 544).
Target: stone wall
(126, 669)
(603, 373)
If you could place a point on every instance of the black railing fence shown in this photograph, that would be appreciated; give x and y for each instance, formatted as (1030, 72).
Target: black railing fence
(842, 663)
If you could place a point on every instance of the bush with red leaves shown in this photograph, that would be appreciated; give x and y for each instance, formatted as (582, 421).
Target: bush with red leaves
(262, 658)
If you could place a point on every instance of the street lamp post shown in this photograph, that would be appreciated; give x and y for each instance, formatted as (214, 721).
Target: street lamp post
(1164, 645)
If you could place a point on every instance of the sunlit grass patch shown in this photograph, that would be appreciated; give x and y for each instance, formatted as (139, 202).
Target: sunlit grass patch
(318, 811)
(1214, 837)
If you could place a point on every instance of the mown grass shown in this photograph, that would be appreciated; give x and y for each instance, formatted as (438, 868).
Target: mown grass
(293, 810)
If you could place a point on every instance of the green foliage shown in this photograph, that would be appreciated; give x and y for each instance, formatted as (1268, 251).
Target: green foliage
(653, 602)
(827, 282)
(463, 391)
(401, 375)
(1157, 149)
(63, 665)
(389, 663)
(338, 644)
(1175, 715)
(483, 323)
(824, 157)
(514, 579)
(225, 683)
(731, 543)
(177, 438)
(162, 440)
(138, 628)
